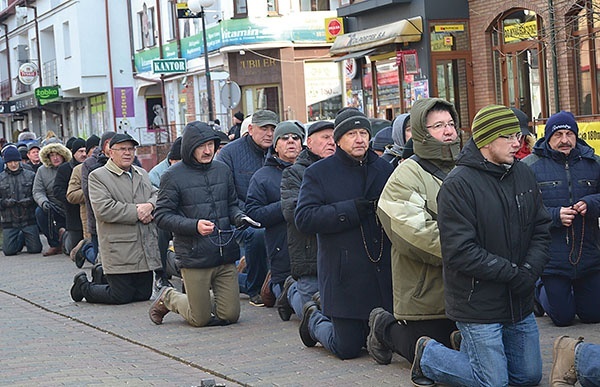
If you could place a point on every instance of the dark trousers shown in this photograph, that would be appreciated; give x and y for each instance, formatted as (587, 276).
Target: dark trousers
(401, 336)
(164, 237)
(344, 337)
(562, 298)
(15, 238)
(56, 221)
(121, 289)
(253, 240)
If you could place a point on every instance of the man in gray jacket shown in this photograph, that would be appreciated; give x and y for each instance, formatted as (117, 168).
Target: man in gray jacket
(123, 200)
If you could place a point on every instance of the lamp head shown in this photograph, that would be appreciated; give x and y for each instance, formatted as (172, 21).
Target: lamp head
(196, 6)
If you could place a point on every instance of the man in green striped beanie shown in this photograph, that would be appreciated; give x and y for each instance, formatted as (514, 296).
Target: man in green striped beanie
(494, 121)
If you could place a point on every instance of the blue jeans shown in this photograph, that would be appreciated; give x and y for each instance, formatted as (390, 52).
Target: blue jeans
(253, 240)
(301, 292)
(344, 337)
(587, 364)
(16, 238)
(562, 298)
(490, 355)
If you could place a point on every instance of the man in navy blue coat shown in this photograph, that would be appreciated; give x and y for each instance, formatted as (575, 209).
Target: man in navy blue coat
(568, 174)
(337, 201)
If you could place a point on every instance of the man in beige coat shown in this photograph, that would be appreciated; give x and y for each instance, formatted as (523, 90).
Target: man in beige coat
(123, 200)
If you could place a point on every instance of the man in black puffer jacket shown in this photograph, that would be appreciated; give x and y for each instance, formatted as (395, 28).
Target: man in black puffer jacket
(197, 202)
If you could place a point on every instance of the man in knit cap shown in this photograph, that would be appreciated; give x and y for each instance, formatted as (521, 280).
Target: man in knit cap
(17, 208)
(568, 171)
(337, 202)
(408, 212)
(494, 233)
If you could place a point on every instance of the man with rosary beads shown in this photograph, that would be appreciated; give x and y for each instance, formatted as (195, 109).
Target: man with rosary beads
(568, 174)
(198, 203)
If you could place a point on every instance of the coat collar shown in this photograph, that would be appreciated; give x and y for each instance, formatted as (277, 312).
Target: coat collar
(111, 166)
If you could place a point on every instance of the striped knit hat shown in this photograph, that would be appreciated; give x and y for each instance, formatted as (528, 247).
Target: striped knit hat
(492, 122)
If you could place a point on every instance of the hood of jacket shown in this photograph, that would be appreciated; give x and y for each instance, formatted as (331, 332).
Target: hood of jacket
(195, 134)
(424, 144)
(398, 135)
(582, 149)
(56, 148)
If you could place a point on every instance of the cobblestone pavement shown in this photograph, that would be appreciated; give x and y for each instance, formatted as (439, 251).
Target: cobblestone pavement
(49, 340)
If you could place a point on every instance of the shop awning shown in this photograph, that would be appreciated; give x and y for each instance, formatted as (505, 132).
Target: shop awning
(353, 55)
(403, 31)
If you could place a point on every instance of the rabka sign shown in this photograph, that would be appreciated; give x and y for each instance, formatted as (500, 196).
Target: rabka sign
(28, 73)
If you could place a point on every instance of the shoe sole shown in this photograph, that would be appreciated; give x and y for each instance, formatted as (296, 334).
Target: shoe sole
(422, 381)
(307, 341)
(73, 297)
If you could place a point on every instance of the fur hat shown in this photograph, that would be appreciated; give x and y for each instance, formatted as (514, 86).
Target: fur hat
(55, 147)
(11, 154)
(492, 122)
(560, 121)
(348, 119)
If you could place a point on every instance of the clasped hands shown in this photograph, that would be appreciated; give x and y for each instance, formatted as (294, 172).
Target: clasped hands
(567, 214)
(144, 212)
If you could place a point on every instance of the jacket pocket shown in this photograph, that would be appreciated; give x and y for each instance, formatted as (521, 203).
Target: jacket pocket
(526, 207)
(123, 249)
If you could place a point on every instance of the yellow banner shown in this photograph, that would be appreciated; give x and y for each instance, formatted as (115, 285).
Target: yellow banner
(520, 31)
(449, 27)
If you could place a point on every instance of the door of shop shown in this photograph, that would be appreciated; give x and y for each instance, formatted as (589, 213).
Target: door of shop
(523, 88)
(452, 81)
(261, 97)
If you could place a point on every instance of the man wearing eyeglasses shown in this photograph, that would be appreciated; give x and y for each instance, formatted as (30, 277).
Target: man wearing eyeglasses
(408, 212)
(494, 233)
(123, 199)
(264, 199)
(568, 174)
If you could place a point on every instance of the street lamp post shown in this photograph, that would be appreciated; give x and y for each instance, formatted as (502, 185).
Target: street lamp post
(197, 7)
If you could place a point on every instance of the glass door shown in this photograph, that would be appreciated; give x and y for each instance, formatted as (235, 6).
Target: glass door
(451, 82)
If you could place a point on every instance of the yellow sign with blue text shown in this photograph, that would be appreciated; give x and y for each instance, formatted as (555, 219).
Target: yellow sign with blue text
(588, 132)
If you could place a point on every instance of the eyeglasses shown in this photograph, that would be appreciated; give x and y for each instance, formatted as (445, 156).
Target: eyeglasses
(124, 149)
(440, 125)
(286, 137)
(513, 137)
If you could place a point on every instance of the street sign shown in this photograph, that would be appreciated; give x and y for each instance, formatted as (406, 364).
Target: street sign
(333, 28)
(169, 66)
(230, 95)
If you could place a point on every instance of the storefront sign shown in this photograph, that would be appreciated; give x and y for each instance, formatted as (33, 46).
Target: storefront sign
(169, 66)
(406, 30)
(450, 28)
(124, 105)
(6, 107)
(25, 103)
(520, 31)
(47, 94)
(333, 28)
(28, 73)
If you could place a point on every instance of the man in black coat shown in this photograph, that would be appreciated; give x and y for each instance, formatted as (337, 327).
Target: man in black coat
(74, 232)
(337, 201)
(300, 287)
(197, 202)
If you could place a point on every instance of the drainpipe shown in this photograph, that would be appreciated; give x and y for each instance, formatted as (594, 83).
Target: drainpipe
(37, 39)
(554, 61)
(10, 92)
(110, 67)
(162, 76)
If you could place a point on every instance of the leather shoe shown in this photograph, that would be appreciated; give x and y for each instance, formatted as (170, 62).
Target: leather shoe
(307, 310)
(158, 309)
(563, 363)
(378, 350)
(317, 298)
(416, 374)
(52, 251)
(284, 309)
(76, 290)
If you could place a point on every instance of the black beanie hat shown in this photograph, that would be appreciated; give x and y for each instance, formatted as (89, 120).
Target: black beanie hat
(70, 142)
(77, 144)
(348, 119)
(91, 142)
(318, 126)
(175, 152)
(11, 153)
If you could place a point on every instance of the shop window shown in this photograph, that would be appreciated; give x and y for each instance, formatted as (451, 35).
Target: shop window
(519, 71)
(240, 8)
(318, 5)
(146, 26)
(272, 7)
(585, 43)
